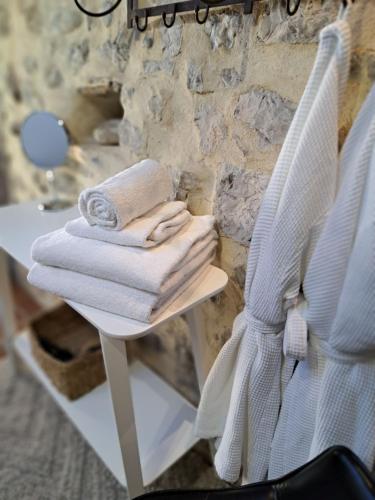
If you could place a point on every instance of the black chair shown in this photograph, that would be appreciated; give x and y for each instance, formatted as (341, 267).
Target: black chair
(336, 474)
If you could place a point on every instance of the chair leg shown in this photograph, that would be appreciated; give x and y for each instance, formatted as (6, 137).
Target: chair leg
(116, 365)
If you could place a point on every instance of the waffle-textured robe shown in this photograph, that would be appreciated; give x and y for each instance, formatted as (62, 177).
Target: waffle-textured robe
(241, 397)
(330, 398)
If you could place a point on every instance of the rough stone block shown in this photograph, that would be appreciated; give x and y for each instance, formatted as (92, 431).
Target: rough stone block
(107, 20)
(33, 16)
(64, 20)
(275, 25)
(148, 41)
(267, 112)
(30, 96)
(166, 65)
(78, 54)
(171, 38)
(131, 136)
(107, 133)
(211, 127)
(222, 29)
(156, 105)
(230, 77)
(189, 182)
(53, 77)
(118, 50)
(238, 196)
(194, 78)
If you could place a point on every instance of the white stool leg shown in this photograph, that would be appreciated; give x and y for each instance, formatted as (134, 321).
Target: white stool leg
(199, 343)
(116, 365)
(7, 309)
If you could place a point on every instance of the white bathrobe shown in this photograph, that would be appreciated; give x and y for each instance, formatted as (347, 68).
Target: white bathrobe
(334, 403)
(346, 409)
(241, 398)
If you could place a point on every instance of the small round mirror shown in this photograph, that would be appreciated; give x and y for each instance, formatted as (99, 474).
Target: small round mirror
(45, 142)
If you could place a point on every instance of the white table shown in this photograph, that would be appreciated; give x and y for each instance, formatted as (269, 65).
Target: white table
(151, 425)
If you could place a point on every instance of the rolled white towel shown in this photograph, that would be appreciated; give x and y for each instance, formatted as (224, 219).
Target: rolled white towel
(109, 296)
(147, 231)
(127, 195)
(147, 269)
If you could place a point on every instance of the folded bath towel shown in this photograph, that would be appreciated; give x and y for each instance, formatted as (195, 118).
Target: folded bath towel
(127, 195)
(146, 269)
(107, 295)
(147, 231)
(203, 250)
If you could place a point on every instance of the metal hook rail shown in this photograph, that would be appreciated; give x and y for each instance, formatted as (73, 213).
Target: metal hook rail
(134, 13)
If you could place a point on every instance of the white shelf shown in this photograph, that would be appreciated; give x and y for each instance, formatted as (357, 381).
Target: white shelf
(164, 419)
(21, 224)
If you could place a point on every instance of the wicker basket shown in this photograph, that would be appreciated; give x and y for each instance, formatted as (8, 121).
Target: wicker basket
(67, 348)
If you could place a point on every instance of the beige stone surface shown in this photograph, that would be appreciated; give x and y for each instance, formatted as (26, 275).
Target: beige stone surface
(213, 101)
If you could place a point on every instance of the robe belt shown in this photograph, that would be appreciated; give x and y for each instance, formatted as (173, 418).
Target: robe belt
(260, 326)
(295, 342)
(295, 334)
(330, 352)
(295, 328)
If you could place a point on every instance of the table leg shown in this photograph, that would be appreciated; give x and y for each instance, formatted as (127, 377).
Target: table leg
(6, 308)
(116, 365)
(199, 343)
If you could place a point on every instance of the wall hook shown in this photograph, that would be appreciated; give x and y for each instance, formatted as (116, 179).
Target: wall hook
(97, 14)
(292, 10)
(144, 27)
(204, 19)
(248, 6)
(172, 20)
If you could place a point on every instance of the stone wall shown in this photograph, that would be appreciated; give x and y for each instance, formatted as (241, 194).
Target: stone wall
(214, 101)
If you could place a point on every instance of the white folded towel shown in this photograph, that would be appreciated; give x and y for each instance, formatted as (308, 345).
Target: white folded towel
(107, 295)
(154, 227)
(147, 269)
(127, 195)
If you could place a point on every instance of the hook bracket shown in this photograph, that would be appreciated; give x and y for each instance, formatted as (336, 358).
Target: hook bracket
(135, 14)
(172, 9)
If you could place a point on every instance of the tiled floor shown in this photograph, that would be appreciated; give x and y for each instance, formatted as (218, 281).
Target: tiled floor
(43, 457)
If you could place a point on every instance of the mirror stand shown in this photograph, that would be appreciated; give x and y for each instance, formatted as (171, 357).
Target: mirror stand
(45, 142)
(54, 203)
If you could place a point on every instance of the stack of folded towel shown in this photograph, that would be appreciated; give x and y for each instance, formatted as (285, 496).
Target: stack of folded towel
(132, 252)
